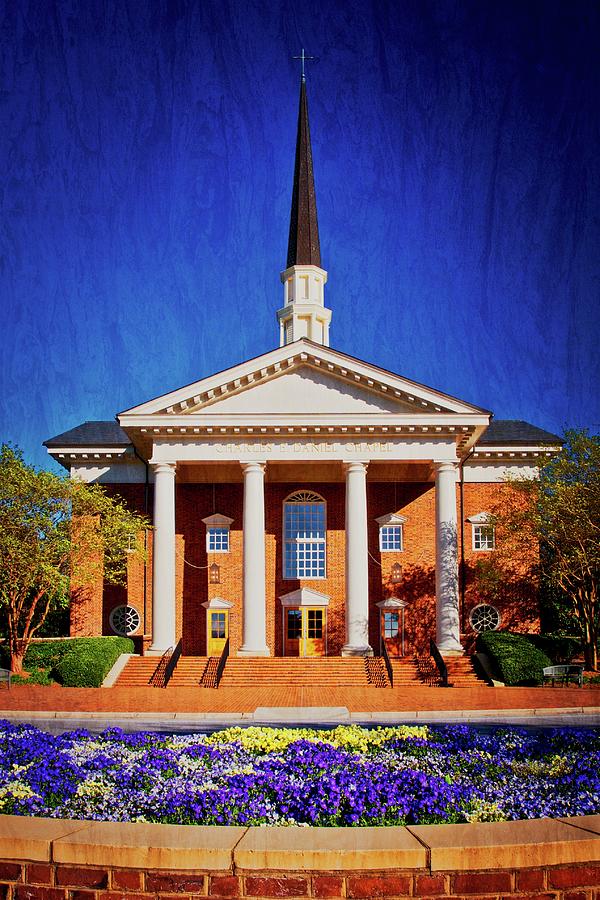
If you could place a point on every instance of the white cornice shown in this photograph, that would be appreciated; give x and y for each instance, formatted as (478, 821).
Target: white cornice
(289, 421)
(91, 450)
(514, 452)
(94, 454)
(463, 430)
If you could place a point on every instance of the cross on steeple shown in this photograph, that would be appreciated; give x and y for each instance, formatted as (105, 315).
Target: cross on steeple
(303, 57)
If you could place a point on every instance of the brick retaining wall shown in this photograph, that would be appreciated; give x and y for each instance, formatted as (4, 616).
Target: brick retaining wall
(50, 859)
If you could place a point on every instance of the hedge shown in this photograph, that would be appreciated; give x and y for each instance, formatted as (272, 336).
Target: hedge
(43, 655)
(89, 660)
(48, 654)
(513, 657)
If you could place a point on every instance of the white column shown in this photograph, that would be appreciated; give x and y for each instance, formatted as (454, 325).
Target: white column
(163, 559)
(446, 559)
(254, 625)
(357, 564)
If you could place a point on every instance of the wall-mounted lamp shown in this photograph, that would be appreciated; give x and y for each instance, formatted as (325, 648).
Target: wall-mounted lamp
(214, 574)
(396, 576)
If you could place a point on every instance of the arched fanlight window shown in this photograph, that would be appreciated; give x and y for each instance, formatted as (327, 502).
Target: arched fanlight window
(125, 620)
(304, 535)
(484, 617)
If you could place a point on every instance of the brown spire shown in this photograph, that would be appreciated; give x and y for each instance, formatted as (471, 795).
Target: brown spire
(303, 244)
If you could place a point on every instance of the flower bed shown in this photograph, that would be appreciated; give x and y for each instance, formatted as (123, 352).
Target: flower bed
(347, 776)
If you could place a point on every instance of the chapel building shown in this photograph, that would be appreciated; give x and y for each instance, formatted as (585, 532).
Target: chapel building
(305, 503)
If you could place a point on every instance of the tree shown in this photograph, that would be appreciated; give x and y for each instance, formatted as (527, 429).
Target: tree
(560, 511)
(46, 521)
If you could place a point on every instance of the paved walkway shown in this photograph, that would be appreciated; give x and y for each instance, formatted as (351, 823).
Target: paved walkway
(358, 704)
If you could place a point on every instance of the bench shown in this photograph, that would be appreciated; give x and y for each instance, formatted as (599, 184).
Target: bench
(564, 674)
(5, 677)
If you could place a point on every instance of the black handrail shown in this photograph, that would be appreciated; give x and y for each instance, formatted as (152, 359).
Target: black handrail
(157, 679)
(166, 666)
(222, 661)
(388, 663)
(172, 662)
(439, 661)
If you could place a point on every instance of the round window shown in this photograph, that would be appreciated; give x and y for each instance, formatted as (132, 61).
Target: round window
(484, 618)
(125, 620)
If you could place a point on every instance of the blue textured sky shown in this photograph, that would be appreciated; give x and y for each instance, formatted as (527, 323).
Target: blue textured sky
(147, 149)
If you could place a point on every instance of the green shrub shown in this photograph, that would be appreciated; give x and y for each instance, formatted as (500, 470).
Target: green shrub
(559, 648)
(35, 676)
(90, 660)
(513, 657)
(43, 654)
(48, 654)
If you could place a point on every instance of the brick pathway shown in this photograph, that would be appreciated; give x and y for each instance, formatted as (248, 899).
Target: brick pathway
(247, 699)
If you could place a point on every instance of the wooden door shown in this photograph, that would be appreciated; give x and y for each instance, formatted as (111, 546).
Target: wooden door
(218, 631)
(314, 631)
(392, 631)
(293, 632)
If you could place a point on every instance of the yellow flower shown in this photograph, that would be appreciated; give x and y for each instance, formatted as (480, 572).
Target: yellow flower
(15, 790)
(257, 739)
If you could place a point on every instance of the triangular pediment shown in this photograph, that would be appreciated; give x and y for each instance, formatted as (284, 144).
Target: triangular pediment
(307, 390)
(304, 597)
(302, 378)
(217, 603)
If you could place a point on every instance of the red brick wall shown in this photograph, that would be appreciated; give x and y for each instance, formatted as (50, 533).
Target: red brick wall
(193, 503)
(24, 880)
(86, 607)
(416, 501)
(515, 594)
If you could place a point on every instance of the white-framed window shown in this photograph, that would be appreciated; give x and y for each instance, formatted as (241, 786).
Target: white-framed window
(125, 620)
(484, 617)
(217, 540)
(484, 532)
(217, 533)
(390, 537)
(484, 537)
(304, 535)
(391, 533)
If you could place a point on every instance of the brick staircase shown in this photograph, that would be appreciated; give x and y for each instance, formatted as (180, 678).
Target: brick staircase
(332, 671)
(189, 671)
(405, 672)
(139, 671)
(460, 671)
